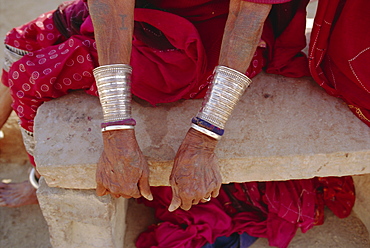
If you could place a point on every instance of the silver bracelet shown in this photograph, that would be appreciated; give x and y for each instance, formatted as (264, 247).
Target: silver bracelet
(227, 86)
(117, 127)
(114, 87)
(28, 141)
(32, 178)
(11, 55)
(206, 131)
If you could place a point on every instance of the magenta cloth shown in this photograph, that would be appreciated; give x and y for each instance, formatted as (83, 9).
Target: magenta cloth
(272, 210)
(340, 52)
(268, 1)
(61, 62)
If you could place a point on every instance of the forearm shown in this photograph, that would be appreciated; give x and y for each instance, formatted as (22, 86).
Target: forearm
(113, 22)
(241, 37)
(122, 169)
(242, 33)
(195, 159)
(113, 28)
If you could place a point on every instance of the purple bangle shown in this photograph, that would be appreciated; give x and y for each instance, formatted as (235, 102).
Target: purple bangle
(207, 125)
(127, 122)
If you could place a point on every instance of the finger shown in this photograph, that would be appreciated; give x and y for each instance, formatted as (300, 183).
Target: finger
(129, 190)
(206, 199)
(144, 187)
(186, 204)
(216, 192)
(136, 192)
(2, 203)
(196, 201)
(125, 196)
(176, 201)
(101, 190)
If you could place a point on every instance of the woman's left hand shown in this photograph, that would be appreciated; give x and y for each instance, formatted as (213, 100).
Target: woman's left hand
(195, 175)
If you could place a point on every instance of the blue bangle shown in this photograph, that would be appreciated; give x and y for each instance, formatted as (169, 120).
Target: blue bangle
(207, 125)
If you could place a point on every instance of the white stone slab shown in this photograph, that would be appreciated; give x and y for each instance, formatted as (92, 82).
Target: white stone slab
(80, 219)
(362, 204)
(283, 128)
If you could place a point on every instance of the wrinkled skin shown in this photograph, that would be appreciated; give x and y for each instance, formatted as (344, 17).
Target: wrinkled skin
(122, 169)
(195, 173)
(15, 195)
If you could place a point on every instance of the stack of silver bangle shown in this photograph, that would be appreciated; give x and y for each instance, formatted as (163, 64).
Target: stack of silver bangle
(28, 141)
(11, 55)
(227, 86)
(114, 87)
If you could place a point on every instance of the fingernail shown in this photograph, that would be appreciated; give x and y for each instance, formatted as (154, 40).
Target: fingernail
(171, 208)
(149, 197)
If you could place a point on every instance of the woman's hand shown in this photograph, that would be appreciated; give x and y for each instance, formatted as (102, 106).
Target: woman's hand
(122, 169)
(195, 175)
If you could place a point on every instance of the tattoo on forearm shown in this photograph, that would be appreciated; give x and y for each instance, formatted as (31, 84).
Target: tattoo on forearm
(123, 27)
(100, 10)
(242, 34)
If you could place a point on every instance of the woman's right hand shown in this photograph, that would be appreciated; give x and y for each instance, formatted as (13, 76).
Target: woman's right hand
(122, 169)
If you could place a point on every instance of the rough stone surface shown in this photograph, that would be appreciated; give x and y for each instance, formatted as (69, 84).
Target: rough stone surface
(12, 150)
(78, 218)
(283, 128)
(362, 204)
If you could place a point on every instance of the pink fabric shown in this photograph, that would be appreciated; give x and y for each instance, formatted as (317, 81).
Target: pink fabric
(340, 52)
(273, 210)
(268, 1)
(286, 56)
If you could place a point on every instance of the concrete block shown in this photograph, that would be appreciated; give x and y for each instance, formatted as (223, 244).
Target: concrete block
(80, 219)
(283, 128)
(362, 204)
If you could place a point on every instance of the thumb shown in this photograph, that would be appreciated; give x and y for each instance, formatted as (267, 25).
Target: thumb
(145, 188)
(101, 190)
(175, 203)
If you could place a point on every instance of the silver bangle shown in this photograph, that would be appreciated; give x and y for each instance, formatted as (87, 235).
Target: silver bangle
(206, 131)
(11, 55)
(117, 127)
(227, 86)
(114, 87)
(28, 141)
(32, 178)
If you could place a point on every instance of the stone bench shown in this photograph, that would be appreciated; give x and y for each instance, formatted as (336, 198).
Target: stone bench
(282, 129)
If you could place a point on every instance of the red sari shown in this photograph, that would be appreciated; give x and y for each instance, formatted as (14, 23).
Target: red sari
(339, 54)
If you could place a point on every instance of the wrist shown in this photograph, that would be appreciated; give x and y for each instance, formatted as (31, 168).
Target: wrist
(114, 87)
(124, 135)
(226, 88)
(200, 139)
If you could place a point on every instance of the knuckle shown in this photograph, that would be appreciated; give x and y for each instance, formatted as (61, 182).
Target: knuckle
(131, 190)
